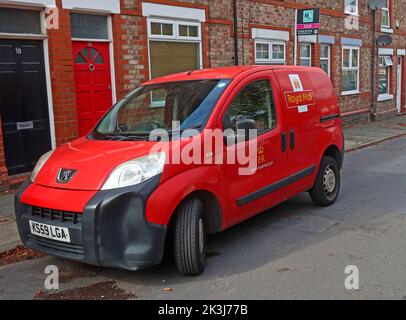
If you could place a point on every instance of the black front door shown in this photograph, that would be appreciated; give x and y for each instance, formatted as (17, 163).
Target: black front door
(23, 104)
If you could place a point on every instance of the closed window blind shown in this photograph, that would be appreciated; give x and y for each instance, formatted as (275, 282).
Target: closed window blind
(173, 57)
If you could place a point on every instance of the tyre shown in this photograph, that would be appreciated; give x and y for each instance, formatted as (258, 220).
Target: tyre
(190, 238)
(327, 186)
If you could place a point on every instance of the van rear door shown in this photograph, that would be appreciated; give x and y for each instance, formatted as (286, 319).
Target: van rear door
(301, 126)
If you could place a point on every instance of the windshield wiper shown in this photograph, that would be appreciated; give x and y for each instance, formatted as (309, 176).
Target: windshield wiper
(178, 130)
(124, 137)
(195, 126)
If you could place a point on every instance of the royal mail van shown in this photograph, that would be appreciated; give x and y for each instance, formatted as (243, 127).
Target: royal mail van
(181, 157)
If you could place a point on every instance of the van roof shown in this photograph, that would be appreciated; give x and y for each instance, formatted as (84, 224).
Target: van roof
(221, 73)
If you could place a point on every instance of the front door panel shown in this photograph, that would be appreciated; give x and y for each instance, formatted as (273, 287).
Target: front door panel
(23, 104)
(93, 82)
(250, 194)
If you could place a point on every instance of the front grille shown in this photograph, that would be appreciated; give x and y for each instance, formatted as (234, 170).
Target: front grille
(57, 215)
(73, 249)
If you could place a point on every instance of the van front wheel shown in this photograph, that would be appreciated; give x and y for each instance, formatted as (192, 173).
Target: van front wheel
(190, 238)
(327, 187)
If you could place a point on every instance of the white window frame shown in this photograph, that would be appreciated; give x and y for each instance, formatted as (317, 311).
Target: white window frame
(161, 36)
(386, 9)
(175, 25)
(270, 44)
(261, 60)
(387, 63)
(278, 61)
(328, 59)
(174, 38)
(180, 23)
(305, 58)
(347, 8)
(351, 67)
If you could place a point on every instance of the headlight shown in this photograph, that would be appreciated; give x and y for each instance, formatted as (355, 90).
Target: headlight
(40, 164)
(135, 171)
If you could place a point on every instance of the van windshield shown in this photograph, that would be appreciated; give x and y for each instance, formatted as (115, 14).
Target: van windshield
(185, 105)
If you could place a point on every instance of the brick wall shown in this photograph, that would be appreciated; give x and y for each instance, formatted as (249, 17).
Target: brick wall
(62, 79)
(130, 51)
(131, 47)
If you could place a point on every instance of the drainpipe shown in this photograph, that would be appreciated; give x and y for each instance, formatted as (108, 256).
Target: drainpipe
(235, 13)
(373, 75)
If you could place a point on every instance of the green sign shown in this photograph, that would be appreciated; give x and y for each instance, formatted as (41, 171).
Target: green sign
(308, 16)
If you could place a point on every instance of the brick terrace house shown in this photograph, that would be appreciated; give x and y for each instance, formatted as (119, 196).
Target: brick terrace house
(64, 62)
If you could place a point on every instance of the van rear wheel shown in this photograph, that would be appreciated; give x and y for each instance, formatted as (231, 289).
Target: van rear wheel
(190, 238)
(327, 186)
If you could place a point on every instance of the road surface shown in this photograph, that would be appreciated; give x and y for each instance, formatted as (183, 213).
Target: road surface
(293, 251)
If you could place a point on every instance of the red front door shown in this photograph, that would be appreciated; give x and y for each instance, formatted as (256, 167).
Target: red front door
(91, 62)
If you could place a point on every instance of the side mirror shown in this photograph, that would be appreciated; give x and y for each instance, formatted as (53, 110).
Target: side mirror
(246, 124)
(243, 132)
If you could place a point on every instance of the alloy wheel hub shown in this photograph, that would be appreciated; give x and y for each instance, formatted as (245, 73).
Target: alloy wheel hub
(329, 180)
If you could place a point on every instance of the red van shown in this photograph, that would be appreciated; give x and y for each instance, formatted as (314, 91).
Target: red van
(112, 198)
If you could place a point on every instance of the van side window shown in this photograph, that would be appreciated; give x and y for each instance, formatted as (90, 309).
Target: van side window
(255, 102)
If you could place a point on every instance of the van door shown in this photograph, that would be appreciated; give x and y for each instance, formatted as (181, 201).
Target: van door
(253, 101)
(301, 127)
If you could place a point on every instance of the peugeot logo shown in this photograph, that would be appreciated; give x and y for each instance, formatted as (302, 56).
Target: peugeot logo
(65, 175)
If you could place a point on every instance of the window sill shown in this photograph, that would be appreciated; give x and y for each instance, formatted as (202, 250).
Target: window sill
(350, 93)
(92, 40)
(270, 62)
(386, 30)
(385, 97)
(354, 14)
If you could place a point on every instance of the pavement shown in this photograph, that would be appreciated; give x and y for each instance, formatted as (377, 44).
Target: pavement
(362, 136)
(293, 251)
(8, 230)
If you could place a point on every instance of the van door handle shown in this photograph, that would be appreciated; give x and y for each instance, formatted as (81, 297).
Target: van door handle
(284, 142)
(292, 139)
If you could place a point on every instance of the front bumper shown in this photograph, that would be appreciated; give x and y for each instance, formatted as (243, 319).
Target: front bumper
(111, 232)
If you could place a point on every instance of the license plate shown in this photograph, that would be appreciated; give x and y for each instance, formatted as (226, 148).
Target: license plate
(49, 232)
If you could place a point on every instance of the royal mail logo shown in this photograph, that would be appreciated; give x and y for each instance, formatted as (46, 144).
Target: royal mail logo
(300, 98)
